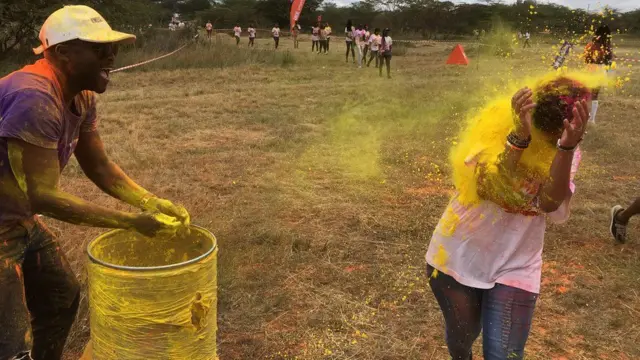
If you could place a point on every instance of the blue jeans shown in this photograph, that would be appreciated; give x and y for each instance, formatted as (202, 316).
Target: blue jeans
(503, 313)
(39, 293)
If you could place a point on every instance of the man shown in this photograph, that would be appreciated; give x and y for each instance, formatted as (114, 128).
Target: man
(620, 219)
(209, 28)
(527, 37)
(48, 113)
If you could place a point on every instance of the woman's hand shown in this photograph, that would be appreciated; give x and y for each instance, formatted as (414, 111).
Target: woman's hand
(522, 103)
(574, 130)
(168, 208)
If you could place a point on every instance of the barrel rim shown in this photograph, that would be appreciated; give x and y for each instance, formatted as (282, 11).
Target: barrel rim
(152, 268)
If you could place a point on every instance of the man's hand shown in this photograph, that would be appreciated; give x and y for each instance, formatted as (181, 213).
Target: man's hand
(168, 208)
(151, 225)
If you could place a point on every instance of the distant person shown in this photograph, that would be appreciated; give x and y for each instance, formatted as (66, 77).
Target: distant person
(359, 40)
(386, 45)
(295, 32)
(315, 38)
(349, 31)
(276, 35)
(209, 28)
(323, 39)
(252, 35)
(527, 38)
(237, 31)
(49, 114)
(599, 57)
(620, 219)
(329, 30)
(375, 41)
(367, 36)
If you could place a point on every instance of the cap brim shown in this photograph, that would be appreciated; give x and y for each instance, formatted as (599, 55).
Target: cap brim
(105, 37)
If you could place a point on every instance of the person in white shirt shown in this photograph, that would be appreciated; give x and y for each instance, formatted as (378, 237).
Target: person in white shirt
(359, 40)
(315, 38)
(349, 31)
(527, 37)
(327, 28)
(252, 35)
(367, 44)
(237, 31)
(276, 34)
(386, 44)
(374, 42)
(209, 28)
(484, 261)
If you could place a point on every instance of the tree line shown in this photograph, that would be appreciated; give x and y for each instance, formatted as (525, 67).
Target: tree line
(20, 20)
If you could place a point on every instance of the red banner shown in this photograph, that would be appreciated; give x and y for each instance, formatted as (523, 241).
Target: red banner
(296, 10)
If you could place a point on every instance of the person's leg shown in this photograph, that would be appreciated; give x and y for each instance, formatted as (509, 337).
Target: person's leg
(16, 339)
(353, 52)
(387, 59)
(348, 47)
(277, 40)
(237, 40)
(381, 64)
(313, 45)
(620, 219)
(52, 293)
(507, 313)
(364, 52)
(461, 307)
(328, 41)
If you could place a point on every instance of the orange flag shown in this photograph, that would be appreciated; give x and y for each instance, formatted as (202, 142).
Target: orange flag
(296, 10)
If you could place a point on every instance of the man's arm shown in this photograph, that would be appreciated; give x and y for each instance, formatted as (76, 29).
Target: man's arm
(112, 180)
(37, 171)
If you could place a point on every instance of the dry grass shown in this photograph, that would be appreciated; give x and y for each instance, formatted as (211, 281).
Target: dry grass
(323, 184)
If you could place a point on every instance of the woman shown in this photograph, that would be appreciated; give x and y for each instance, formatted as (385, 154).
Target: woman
(315, 38)
(359, 40)
(276, 35)
(367, 44)
(323, 39)
(252, 35)
(328, 29)
(386, 44)
(375, 40)
(295, 32)
(349, 31)
(599, 57)
(485, 257)
(237, 31)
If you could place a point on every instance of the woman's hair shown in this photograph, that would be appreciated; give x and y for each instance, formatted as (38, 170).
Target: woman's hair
(349, 24)
(555, 101)
(385, 32)
(376, 31)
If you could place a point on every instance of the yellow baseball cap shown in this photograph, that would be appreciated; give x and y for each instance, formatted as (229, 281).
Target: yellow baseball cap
(78, 22)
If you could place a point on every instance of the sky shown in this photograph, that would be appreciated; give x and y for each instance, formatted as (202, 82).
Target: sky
(622, 5)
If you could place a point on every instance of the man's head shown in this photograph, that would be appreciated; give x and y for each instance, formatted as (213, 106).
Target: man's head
(80, 43)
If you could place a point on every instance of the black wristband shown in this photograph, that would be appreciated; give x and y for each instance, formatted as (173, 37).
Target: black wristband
(513, 139)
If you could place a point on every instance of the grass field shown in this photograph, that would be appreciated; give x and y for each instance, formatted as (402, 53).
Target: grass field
(324, 182)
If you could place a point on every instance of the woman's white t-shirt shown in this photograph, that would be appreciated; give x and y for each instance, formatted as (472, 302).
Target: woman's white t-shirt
(350, 33)
(252, 32)
(276, 32)
(387, 43)
(315, 32)
(374, 41)
(237, 31)
(483, 245)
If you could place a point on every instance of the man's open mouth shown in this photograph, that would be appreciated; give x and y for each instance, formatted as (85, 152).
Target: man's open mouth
(105, 73)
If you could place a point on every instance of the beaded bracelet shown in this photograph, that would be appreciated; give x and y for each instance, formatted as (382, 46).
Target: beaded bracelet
(514, 140)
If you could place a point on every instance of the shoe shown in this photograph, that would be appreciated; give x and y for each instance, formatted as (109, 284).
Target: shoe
(618, 230)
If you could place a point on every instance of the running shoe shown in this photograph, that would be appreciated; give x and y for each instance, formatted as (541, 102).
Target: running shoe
(618, 229)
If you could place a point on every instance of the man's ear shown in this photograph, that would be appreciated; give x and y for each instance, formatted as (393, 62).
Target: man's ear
(61, 52)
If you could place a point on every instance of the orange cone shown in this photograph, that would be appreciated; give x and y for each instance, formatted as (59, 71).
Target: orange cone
(458, 57)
